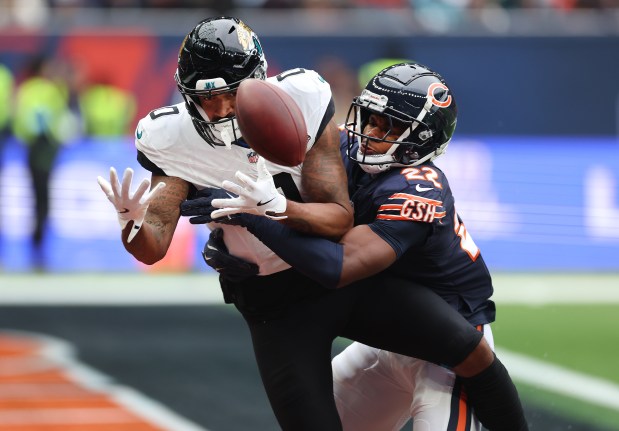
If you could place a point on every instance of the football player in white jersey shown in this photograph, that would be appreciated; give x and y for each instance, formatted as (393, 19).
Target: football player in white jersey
(169, 146)
(195, 145)
(192, 147)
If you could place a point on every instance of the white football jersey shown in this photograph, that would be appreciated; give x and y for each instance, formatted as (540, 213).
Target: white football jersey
(168, 139)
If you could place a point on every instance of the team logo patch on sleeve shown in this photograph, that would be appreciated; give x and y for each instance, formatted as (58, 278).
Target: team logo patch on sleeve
(404, 206)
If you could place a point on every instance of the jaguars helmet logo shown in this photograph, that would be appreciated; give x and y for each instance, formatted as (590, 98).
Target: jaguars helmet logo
(244, 33)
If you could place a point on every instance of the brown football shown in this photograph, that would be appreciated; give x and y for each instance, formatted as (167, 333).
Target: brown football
(271, 122)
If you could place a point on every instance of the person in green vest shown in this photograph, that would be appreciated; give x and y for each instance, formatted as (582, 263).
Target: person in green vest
(6, 102)
(6, 99)
(107, 111)
(40, 119)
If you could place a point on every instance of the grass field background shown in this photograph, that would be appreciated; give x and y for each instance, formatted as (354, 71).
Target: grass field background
(568, 323)
(579, 337)
(583, 338)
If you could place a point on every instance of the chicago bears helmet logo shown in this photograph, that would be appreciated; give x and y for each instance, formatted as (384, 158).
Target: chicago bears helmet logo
(432, 89)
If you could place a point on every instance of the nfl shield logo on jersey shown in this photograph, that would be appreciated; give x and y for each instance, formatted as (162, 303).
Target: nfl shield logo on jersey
(253, 157)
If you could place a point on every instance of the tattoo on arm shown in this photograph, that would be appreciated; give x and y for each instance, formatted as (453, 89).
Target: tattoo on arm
(164, 210)
(324, 177)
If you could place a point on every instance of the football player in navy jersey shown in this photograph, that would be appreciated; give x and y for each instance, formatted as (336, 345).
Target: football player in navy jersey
(406, 226)
(192, 147)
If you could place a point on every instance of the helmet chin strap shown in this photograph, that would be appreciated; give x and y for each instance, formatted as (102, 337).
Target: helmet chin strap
(433, 155)
(222, 129)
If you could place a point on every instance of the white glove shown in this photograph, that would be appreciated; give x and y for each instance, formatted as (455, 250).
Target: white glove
(129, 207)
(257, 197)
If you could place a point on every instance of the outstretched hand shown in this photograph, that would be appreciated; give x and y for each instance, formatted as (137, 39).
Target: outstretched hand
(254, 196)
(216, 256)
(129, 207)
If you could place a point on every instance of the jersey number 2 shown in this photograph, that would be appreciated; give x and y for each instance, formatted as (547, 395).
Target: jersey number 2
(466, 242)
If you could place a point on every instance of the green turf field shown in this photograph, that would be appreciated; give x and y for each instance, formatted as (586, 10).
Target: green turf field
(582, 338)
(563, 323)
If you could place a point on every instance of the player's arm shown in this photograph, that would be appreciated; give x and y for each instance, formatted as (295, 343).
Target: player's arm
(364, 250)
(328, 212)
(147, 218)
(151, 243)
(364, 254)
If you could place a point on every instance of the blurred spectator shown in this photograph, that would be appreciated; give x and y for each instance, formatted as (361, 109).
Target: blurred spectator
(441, 15)
(6, 102)
(107, 111)
(383, 4)
(281, 4)
(324, 4)
(42, 122)
(24, 13)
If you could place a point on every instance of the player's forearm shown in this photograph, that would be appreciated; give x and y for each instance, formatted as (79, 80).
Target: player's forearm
(328, 211)
(360, 254)
(327, 220)
(151, 243)
(318, 258)
(149, 246)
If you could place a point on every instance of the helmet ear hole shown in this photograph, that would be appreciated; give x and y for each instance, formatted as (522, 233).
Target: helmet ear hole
(424, 135)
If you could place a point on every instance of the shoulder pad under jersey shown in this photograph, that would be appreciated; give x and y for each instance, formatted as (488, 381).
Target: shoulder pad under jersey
(160, 128)
(311, 93)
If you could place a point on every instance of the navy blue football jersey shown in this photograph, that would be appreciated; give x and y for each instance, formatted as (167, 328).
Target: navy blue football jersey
(412, 209)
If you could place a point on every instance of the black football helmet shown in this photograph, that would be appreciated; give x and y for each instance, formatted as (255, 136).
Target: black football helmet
(409, 95)
(215, 57)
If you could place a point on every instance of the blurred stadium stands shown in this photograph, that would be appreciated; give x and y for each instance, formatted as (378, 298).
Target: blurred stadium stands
(534, 165)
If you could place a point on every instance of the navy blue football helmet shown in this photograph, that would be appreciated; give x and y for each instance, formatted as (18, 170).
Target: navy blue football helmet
(215, 57)
(412, 97)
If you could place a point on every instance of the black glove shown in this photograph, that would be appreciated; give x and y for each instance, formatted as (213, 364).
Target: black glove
(200, 207)
(216, 256)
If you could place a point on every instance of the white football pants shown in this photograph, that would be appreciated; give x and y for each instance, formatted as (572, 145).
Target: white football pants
(376, 390)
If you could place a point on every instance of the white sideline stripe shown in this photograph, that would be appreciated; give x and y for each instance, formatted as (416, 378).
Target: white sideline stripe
(62, 353)
(200, 288)
(133, 400)
(560, 380)
(203, 288)
(110, 289)
(550, 288)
